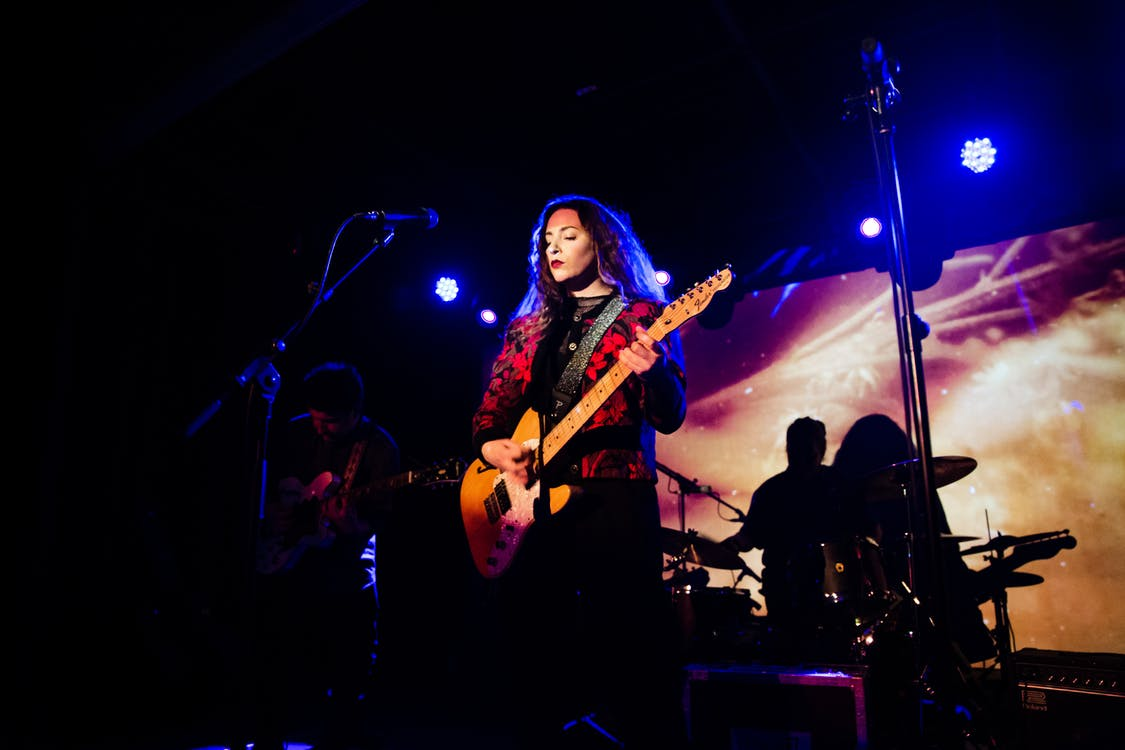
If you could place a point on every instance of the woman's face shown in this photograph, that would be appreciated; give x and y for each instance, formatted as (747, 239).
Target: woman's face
(570, 252)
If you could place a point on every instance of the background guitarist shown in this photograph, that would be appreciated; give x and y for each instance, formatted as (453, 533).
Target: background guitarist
(583, 609)
(316, 608)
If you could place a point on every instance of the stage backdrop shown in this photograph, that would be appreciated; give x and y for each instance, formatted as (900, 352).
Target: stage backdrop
(1025, 373)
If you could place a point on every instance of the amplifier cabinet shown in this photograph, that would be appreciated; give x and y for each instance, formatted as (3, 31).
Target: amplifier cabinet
(1070, 700)
(742, 706)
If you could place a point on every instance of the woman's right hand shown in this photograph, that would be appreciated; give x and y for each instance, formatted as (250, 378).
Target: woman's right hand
(508, 456)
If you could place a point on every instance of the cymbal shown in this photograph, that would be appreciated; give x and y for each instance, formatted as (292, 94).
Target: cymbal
(1001, 542)
(700, 550)
(955, 539)
(988, 581)
(888, 483)
(1015, 579)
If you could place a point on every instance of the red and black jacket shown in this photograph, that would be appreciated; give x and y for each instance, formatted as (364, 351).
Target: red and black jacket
(618, 440)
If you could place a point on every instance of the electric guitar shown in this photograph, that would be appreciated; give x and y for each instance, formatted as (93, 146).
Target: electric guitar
(497, 510)
(312, 504)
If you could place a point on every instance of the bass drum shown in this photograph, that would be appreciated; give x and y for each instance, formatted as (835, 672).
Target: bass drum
(853, 573)
(835, 585)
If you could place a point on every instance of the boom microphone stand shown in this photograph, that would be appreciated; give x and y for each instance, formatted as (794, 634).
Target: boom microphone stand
(263, 378)
(261, 374)
(686, 485)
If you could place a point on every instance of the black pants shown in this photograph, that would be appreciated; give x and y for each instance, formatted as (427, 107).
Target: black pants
(586, 630)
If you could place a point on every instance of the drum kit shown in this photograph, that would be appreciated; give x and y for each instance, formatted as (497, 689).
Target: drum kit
(713, 620)
(724, 622)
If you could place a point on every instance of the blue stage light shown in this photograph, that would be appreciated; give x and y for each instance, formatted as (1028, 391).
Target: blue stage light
(978, 154)
(446, 289)
(870, 227)
(488, 317)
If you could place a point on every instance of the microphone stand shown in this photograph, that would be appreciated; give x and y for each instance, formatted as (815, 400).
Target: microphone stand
(279, 345)
(686, 608)
(878, 100)
(689, 485)
(684, 486)
(262, 376)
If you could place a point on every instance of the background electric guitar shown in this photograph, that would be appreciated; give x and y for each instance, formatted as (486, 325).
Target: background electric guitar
(312, 505)
(497, 510)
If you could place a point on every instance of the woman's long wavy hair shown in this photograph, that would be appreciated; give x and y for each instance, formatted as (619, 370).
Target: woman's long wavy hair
(873, 442)
(622, 260)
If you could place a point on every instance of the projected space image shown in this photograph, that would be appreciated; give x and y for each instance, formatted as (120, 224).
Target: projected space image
(1024, 372)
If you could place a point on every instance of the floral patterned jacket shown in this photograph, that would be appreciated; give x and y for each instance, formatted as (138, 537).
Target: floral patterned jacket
(618, 440)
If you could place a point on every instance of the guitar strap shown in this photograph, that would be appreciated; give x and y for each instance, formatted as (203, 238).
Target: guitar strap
(353, 466)
(567, 387)
(562, 396)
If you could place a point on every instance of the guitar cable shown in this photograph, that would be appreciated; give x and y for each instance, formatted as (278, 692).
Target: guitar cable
(541, 507)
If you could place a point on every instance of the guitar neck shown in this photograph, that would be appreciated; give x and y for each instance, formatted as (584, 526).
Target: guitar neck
(686, 306)
(387, 483)
(448, 471)
(393, 483)
(569, 426)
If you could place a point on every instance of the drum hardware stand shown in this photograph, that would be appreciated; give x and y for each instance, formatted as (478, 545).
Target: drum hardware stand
(1002, 634)
(1024, 549)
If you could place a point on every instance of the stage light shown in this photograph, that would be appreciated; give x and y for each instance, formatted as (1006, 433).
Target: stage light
(446, 289)
(870, 227)
(488, 317)
(663, 278)
(978, 154)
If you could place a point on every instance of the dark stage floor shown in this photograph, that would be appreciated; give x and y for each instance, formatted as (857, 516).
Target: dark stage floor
(442, 688)
(761, 708)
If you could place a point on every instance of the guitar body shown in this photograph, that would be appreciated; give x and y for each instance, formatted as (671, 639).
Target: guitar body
(324, 485)
(306, 514)
(498, 510)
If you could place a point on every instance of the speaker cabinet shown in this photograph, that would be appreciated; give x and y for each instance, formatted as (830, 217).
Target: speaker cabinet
(742, 706)
(1070, 700)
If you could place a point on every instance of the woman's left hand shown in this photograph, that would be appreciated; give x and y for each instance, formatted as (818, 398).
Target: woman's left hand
(643, 354)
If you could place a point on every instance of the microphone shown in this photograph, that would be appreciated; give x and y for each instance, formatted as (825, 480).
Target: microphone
(426, 216)
(876, 65)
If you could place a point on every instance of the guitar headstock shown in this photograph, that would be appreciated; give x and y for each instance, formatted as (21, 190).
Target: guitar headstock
(695, 300)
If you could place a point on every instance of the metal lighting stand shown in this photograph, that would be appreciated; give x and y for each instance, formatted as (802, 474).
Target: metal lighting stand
(933, 649)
